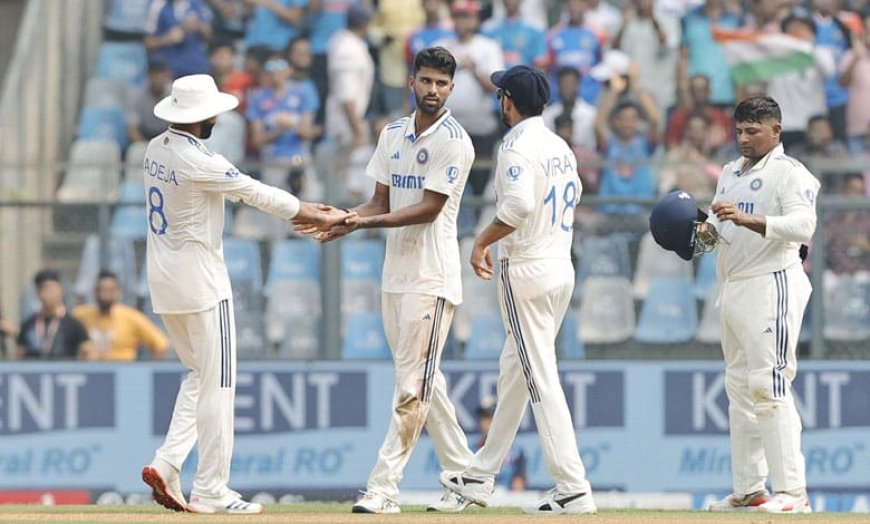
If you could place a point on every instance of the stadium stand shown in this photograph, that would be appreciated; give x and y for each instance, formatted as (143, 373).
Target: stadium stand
(606, 313)
(669, 314)
(92, 164)
(487, 337)
(654, 262)
(102, 92)
(103, 122)
(365, 339)
(706, 274)
(122, 261)
(847, 314)
(122, 61)
(709, 326)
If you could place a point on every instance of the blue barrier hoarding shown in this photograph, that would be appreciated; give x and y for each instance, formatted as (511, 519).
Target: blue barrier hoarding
(640, 426)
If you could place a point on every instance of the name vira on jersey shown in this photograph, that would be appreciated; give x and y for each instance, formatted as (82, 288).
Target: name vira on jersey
(408, 181)
(159, 171)
(561, 165)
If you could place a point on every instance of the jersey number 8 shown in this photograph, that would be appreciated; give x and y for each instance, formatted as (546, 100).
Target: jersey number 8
(155, 207)
(569, 200)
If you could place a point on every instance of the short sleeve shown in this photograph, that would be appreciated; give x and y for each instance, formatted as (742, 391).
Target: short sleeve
(377, 167)
(516, 178)
(451, 165)
(798, 194)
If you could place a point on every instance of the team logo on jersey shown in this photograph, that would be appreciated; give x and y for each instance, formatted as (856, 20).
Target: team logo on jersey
(452, 174)
(423, 156)
(756, 184)
(514, 172)
(395, 156)
(811, 197)
(232, 172)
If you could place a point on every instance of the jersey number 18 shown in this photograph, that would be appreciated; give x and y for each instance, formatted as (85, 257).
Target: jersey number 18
(569, 200)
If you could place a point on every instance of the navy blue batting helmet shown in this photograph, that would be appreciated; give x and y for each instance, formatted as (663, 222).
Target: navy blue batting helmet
(673, 223)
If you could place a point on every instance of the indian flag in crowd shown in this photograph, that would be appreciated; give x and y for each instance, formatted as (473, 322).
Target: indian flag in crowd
(757, 57)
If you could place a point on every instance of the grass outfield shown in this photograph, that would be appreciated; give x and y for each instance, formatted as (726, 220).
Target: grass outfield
(340, 514)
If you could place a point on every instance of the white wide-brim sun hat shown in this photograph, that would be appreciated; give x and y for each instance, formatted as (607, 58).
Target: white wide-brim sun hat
(194, 98)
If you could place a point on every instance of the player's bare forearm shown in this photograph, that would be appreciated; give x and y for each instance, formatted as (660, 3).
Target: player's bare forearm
(424, 212)
(725, 210)
(321, 217)
(494, 232)
(481, 256)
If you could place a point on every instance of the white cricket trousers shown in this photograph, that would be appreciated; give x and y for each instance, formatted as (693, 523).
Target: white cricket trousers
(416, 327)
(204, 408)
(761, 322)
(534, 297)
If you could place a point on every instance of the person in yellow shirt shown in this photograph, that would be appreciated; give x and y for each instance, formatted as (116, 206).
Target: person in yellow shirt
(118, 330)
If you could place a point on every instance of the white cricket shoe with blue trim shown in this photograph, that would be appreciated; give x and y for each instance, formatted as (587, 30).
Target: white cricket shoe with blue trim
(232, 504)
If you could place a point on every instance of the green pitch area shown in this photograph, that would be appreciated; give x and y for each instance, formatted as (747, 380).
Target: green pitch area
(340, 514)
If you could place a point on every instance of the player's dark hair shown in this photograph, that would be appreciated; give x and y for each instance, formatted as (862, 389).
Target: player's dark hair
(567, 71)
(757, 108)
(528, 111)
(105, 273)
(46, 275)
(700, 115)
(626, 104)
(259, 53)
(302, 37)
(220, 43)
(795, 18)
(435, 58)
(818, 118)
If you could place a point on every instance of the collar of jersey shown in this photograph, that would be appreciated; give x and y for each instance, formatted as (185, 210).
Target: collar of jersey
(518, 129)
(181, 133)
(760, 165)
(409, 127)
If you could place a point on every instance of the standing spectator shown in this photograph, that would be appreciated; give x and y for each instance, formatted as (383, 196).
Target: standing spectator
(855, 75)
(141, 122)
(477, 57)
(820, 144)
(701, 55)
(393, 22)
(603, 19)
(351, 78)
(435, 28)
(178, 32)
(282, 118)
(327, 17)
(512, 475)
(301, 60)
(582, 114)
(521, 42)
(651, 41)
(848, 244)
(687, 165)
(52, 333)
(571, 44)
(273, 23)
(801, 95)
(118, 330)
(626, 149)
(721, 131)
(834, 32)
(228, 21)
(533, 12)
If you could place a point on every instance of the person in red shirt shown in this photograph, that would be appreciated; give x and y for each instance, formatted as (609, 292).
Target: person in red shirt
(697, 101)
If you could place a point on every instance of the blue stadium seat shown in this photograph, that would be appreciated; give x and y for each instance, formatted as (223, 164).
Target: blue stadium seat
(365, 339)
(132, 193)
(362, 259)
(130, 222)
(134, 158)
(251, 336)
(706, 275)
(123, 61)
(293, 260)
(710, 326)
(604, 257)
(122, 261)
(606, 310)
(847, 315)
(669, 314)
(107, 123)
(100, 92)
(93, 171)
(487, 337)
(654, 262)
(127, 16)
(292, 305)
(568, 343)
(243, 263)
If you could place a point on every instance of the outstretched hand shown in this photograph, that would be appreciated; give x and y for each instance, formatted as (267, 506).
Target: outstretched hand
(320, 218)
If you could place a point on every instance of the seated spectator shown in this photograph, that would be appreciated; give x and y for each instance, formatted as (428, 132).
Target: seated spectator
(228, 19)
(141, 122)
(117, 330)
(273, 23)
(512, 474)
(572, 44)
(652, 41)
(582, 113)
(847, 241)
(801, 95)
(855, 75)
(721, 131)
(477, 57)
(626, 149)
(688, 167)
(521, 42)
(178, 32)
(587, 158)
(52, 333)
(701, 55)
(282, 119)
(820, 144)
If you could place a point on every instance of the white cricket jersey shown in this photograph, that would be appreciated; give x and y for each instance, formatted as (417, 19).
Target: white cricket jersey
(537, 189)
(185, 186)
(423, 258)
(784, 191)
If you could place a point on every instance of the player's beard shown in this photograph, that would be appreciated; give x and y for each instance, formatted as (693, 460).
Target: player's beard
(423, 107)
(205, 132)
(504, 119)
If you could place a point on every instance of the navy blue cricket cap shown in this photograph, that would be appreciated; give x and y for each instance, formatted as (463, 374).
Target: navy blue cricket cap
(672, 223)
(525, 85)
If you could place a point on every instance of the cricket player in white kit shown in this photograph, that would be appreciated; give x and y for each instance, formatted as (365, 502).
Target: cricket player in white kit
(537, 189)
(421, 165)
(764, 209)
(185, 186)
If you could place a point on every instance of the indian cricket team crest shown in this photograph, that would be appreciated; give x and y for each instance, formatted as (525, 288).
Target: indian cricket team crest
(452, 174)
(756, 184)
(423, 156)
(514, 172)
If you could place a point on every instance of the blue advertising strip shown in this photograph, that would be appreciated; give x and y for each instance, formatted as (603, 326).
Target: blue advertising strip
(304, 426)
